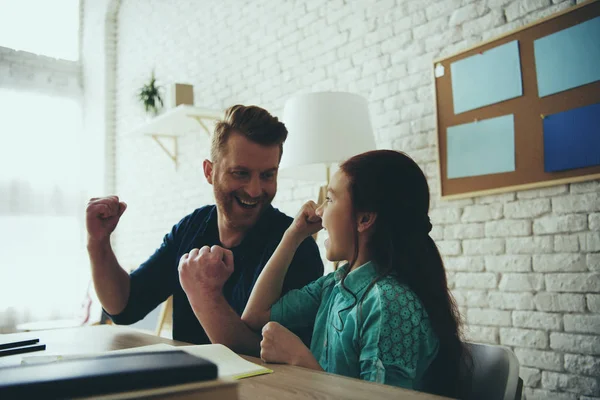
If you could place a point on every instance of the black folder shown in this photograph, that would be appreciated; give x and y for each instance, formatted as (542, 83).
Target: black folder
(103, 375)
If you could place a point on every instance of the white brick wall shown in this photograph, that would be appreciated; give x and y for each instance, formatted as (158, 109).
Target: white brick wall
(97, 43)
(531, 376)
(523, 338)
(556, 302)
(508, 263)
(22, 70)
(545, 360)
(527, 208)
(524, 266)
(570, 383)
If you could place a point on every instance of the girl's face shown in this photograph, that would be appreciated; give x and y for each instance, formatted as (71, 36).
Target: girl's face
(336, 214)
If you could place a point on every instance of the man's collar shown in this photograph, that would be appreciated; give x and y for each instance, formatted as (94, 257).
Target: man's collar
(210, 222)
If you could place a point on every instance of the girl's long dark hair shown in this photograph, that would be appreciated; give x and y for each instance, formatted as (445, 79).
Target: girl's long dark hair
(391, 184)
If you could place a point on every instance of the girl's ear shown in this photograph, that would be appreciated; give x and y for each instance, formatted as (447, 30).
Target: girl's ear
(365, 220)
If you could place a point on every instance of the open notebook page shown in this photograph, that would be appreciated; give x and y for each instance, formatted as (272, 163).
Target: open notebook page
(229, 363)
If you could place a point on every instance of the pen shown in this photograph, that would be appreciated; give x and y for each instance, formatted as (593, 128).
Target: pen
(23, 349)
(18, 344)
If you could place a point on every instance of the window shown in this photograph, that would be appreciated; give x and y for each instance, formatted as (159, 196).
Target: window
(46, 27)
(44, 272)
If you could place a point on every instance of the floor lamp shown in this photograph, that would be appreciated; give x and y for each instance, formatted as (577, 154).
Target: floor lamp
(324, 129)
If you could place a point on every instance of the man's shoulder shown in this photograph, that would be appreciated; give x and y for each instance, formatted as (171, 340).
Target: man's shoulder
(277, 223)
(202, 212)
(272, 225)
(279, 219)
(196, 220)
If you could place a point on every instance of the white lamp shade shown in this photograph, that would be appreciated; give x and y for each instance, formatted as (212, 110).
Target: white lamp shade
(323, 129)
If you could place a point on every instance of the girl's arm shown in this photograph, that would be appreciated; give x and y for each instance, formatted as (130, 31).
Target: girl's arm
(307, 360)
(280, 345)
(267, 289)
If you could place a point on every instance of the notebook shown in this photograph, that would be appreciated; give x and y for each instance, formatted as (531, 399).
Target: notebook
(229, 364)
(109, 373)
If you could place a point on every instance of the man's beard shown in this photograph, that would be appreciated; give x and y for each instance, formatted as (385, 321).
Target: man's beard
(241, 216)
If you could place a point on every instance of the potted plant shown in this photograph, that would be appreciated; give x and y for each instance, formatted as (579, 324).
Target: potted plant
(150, 96)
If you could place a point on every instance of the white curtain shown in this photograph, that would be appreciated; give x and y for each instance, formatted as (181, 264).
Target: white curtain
(44, 270)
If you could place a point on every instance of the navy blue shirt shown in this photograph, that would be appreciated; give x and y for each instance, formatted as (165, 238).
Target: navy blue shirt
(158, 278)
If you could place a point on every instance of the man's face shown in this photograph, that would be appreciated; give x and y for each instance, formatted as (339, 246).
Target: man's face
(244, 179)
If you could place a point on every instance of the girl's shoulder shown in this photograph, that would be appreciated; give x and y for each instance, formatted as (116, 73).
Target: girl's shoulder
(404, 330)
(391, 288)
(396, 298)
(327, 281)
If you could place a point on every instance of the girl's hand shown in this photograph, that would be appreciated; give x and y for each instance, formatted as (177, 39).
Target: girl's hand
(280, 345)
(306, 223)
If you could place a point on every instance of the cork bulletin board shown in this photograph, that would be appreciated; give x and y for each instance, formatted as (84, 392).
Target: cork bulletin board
(522, 111)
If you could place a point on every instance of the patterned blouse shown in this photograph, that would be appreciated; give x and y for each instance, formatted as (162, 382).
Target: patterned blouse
(387, 338)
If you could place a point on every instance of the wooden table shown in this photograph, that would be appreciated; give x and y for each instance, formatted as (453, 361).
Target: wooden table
(287, 382)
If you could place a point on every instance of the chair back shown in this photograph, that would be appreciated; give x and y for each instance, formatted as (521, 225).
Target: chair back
(495, 373)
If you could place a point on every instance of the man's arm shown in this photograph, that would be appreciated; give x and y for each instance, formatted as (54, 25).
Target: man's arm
(110, 280)
(202, 274)
(223, 325)
(127, 298)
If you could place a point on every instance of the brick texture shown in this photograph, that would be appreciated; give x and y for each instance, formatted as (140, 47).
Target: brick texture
(522, 265)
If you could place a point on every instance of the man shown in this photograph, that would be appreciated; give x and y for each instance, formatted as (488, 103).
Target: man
(246, 150)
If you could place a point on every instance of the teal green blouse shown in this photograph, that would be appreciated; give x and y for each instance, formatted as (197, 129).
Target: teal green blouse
(388, 339)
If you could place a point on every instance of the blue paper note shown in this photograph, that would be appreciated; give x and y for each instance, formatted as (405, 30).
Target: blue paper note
(481, 148)
(487, 78)
(572, 139)
(568, 58)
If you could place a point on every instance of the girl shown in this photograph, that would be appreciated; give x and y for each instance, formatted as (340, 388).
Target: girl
(387, 315)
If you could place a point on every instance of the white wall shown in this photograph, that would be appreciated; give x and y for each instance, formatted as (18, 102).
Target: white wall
(523, 266)
(97, 55)
(21, 70)
(98, 51)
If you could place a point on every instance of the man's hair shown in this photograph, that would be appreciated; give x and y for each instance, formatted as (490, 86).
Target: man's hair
(254, 123)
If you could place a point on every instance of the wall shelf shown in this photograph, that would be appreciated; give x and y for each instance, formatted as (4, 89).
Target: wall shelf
(166, 128)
